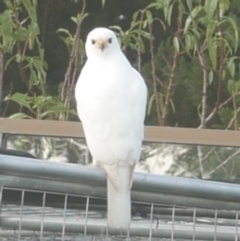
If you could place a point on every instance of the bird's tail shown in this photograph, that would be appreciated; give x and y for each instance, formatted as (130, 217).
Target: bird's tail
(119, 198)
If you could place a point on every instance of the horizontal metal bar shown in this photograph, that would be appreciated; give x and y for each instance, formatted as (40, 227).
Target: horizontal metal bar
(181, 231)
(27, 167)
(13, 234)
(77, 179)
(98, 191)
(152, 133)
(51, 185)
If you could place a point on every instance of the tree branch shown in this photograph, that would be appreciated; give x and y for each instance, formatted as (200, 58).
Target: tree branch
(225, 162)
(171, 79)
(200, 160)
(153, 73)
(139, 57)
(204, 105)
(215, 110)
(204, 89)
(71, 70)
(221, 59)
(234, 118)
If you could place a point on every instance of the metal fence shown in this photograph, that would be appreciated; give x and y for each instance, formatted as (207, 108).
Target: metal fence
(48, 201)
(40, 200)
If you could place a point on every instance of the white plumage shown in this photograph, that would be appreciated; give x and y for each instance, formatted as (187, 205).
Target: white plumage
(111, 103)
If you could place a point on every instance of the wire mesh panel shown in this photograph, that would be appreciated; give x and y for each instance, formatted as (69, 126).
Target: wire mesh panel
(48, 201)
(40, 215)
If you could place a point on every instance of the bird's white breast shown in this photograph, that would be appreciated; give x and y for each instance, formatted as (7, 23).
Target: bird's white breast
(105, 95)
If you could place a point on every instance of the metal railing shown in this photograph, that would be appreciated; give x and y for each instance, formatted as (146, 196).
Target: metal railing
(169, 207)
(40, 200)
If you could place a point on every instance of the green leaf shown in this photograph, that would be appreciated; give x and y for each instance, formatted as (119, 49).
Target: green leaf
(212, 51)
(74, 19)
(223, 73)
(210, 7)
(169, 14)
(165, 9)
(20, 34)
(189, 4)
(33, 78)
(181, 10)
(21, 99)
(188, 42)
(20, 115)
(8, 24)
(211, 27)
(58, 108)
(237, 86)
(34, 29)
(231, 66)
(135, 16)
(223, 7)
(176, 43)
(103, 3)
(149, 16)
(210, 77)
(236, 31)
(9, 4)
(191, 17)
(65, 31)
(30, 9)
(231, 86)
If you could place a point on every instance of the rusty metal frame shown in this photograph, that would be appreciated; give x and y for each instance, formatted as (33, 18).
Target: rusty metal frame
(173, 135)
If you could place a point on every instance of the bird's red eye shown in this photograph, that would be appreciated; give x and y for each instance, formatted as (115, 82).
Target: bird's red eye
(93, 41)
(110, 40)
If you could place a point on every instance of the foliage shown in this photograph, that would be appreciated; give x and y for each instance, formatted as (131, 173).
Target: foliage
(19, 36)
(200, 57)
(19, 32)
(187, 51)
(216, 163)
(39, 107)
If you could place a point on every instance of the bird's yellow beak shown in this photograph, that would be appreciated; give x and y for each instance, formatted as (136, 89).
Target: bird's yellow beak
(101, 44)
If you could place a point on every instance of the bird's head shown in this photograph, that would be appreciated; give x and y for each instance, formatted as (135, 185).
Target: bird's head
(101, 42)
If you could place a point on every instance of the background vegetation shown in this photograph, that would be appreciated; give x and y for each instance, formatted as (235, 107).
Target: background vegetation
(187, 51)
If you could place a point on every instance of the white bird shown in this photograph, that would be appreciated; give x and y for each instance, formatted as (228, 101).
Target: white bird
(111, 101)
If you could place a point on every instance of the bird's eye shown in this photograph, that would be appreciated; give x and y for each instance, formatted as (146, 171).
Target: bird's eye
(93, 41)
(110, 40)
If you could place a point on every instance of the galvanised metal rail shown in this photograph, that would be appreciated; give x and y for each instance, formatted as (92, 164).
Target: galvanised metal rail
(174, 208)
(79, 179)
(40, 200)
